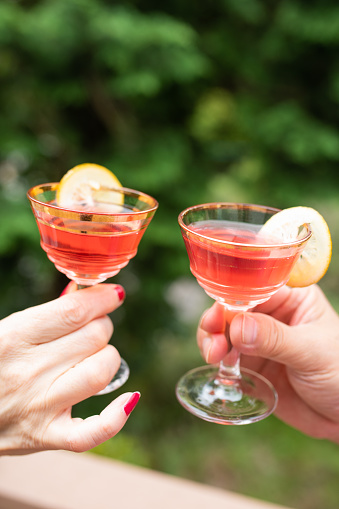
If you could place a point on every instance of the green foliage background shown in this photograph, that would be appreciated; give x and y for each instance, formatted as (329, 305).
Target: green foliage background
(190, 102)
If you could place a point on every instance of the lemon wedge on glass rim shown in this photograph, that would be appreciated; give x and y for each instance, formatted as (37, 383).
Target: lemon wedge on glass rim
(316, 256)
(89, 186)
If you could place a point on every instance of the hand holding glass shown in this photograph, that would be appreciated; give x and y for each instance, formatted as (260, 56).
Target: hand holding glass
(90, 246)
(240, 268)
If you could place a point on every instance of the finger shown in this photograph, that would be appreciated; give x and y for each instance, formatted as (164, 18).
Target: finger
(74, 347)
(290, 305)
(66, 314)
(85, 379)
(212, 333)
(276, 301)
(42, 365)
(261, 335)
(213, 347)
(214, 319)
(79, 435)
(210, 336)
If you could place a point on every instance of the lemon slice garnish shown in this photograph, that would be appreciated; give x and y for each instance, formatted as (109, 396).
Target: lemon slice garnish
(89, 186)
(316, 256)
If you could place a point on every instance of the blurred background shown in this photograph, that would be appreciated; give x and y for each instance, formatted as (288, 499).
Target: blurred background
(190, 102)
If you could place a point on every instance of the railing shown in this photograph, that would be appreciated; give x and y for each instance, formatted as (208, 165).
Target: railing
(63, 480)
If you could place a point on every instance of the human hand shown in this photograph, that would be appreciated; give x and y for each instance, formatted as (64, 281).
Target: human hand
(293, 340)
(53, 356)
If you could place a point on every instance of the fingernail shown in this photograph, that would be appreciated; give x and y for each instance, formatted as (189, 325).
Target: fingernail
(120, 291)
(206, 347)
(67, 289)
(249, 330)
(132, 402)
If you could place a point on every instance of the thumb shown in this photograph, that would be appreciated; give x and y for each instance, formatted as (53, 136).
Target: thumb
(262, 335)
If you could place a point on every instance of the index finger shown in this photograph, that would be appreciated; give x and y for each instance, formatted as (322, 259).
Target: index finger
(214, 320)
(66, 314)
(283, 304)
(212, 333)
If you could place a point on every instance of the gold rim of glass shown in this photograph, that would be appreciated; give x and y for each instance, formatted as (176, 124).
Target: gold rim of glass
(229, 205)
(151, 204)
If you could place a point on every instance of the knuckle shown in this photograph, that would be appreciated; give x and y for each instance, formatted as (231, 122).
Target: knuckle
(275, 340)
(98, 332)
(73, 312)
(109, 430)
(74, 444)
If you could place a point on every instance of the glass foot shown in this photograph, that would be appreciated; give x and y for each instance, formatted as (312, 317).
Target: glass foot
(241, 401)
(120, 378)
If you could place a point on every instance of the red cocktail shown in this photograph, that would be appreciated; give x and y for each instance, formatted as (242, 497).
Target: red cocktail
(239, 267)
(74, 249)
(88, 251)
(229, 272)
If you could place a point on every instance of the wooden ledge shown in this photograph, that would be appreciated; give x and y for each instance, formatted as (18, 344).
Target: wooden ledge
(64, 480)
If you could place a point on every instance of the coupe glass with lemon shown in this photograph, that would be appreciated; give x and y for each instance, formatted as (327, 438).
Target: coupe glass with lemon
(241, 254)
(90, 227)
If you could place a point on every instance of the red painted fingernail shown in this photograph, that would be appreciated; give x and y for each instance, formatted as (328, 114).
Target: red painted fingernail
(120, 291)
(66, 290)
(132, 402)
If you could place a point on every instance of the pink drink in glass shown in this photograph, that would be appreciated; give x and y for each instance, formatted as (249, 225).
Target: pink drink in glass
(79, 247)
(230, 273)
(90, 246)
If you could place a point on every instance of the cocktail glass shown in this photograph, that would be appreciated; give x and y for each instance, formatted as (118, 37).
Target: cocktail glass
(92, 245)
(240, 268)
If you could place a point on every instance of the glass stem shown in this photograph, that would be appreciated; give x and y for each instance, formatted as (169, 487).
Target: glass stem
(229, 367)
(82, 287)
